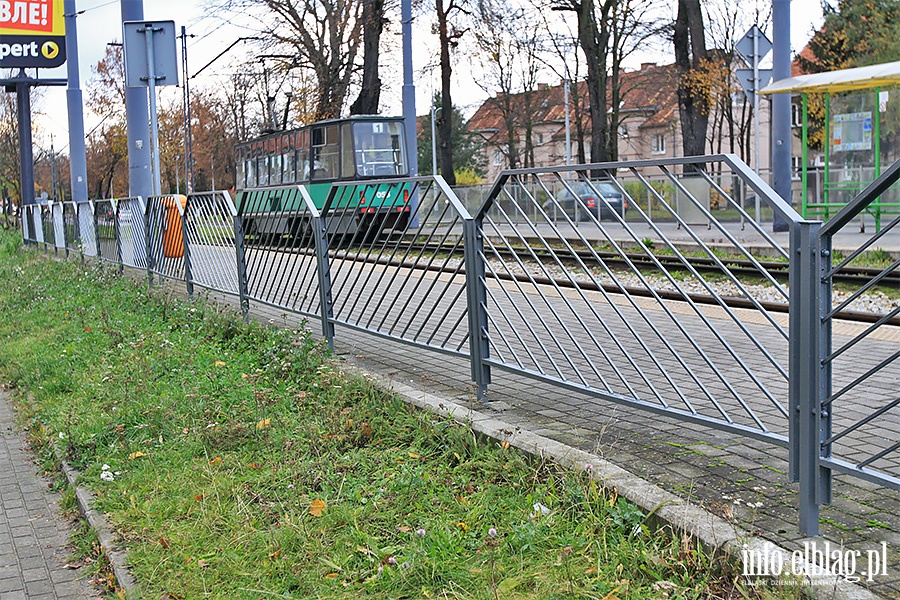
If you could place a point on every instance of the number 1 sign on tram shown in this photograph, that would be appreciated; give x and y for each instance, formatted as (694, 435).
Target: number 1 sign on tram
(32, 34)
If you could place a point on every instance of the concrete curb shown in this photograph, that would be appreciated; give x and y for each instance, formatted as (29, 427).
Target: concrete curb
(717, 535)
(118, 557)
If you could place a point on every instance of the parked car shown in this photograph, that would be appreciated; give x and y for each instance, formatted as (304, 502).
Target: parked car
(597, 199)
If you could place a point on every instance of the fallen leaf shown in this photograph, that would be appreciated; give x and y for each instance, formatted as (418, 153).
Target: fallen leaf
(462, 526)
(164, 543)
(73, 566)
(264, 424)
(317, 508)
(504, 445)
(216, 461)
(403, 528)
(88, 329)
(331, 576)
(414, 455)
(198, 498)
(202, 563)
(220, 363)
(135, 455)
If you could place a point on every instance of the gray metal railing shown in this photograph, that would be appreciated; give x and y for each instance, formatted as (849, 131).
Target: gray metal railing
(853, 373)
(563, 276)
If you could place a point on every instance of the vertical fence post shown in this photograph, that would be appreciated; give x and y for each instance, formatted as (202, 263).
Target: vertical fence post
(148, 218)
(243, 292)
(824, 262)
(188, 275)
(476, 300)
(117, 231)
(320, 231)
(96, 231)
(806, 372)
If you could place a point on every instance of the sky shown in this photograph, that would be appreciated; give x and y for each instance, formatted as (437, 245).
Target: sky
(100, 23)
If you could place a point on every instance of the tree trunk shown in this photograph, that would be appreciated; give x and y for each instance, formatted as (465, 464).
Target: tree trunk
(445, 119)
(690, 51)
(373, 24)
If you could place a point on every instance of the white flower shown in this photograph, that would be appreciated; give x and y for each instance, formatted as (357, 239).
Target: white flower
(107, 476)
(105, 468)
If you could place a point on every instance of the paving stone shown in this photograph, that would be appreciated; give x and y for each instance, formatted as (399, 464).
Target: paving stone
(33, 540)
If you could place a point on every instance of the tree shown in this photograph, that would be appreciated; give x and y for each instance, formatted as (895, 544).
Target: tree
(447, 34)
(690, 55)
(107, 145)
(322, 36)
(466, 148)
(370, 91)
(9, 148)
(854, 33)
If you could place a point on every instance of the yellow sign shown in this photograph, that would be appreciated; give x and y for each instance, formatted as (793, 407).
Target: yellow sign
(32, 33)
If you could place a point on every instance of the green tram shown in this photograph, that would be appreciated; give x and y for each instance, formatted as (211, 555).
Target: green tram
(364, 148)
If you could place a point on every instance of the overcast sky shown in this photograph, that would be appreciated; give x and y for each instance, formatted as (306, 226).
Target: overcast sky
(100, 24)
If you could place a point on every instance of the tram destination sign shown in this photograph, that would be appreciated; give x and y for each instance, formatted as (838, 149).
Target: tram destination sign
(32, 34)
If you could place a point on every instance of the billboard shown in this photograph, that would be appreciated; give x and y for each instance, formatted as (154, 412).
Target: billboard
(32, 34)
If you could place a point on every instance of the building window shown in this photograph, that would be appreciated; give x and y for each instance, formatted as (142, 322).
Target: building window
(540, 138)
(498, 158)
(796, 167)
(796, 115)
(659, 143)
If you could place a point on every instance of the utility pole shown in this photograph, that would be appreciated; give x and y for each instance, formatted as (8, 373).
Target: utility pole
(409, 89)
(75, 106)
(781, 107)
(140, 181)
(188, 134)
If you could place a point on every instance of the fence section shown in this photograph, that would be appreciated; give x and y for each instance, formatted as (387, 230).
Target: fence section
(166, 249)
(279, 248)
(209, 234)
(87, 227)
(59, 230)
(107, 231)
(70, 227)
(581, 297)
(132, 231)
(858, 368)
(396, 260)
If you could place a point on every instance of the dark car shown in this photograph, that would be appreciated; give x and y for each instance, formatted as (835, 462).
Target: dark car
(597, 199)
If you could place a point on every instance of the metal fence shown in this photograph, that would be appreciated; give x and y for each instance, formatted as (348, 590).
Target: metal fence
(563, 276)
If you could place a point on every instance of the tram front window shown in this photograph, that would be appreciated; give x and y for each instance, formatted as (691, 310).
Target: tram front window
(379, 149)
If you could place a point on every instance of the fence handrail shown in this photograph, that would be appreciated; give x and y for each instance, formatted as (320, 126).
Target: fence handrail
(862, 200)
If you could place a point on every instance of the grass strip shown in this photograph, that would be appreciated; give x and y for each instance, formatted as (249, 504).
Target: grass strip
(239, 461)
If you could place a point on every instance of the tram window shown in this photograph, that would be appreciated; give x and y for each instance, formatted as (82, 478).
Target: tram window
(326, 152)
(379, 148)
(303, 156)
(348, 165)
(262, 171)
(288, 168)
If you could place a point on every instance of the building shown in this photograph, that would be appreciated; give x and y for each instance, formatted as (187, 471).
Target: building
(648, 129)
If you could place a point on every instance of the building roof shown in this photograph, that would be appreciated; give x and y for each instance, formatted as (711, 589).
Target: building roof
(653, 91)
(859, 78)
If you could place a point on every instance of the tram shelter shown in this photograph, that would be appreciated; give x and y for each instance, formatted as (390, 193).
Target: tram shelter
(861, 133)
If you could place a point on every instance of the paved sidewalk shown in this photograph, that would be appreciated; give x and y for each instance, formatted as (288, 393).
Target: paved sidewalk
(33, 536)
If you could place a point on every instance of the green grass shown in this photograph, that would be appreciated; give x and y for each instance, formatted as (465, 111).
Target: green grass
(245, 464)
